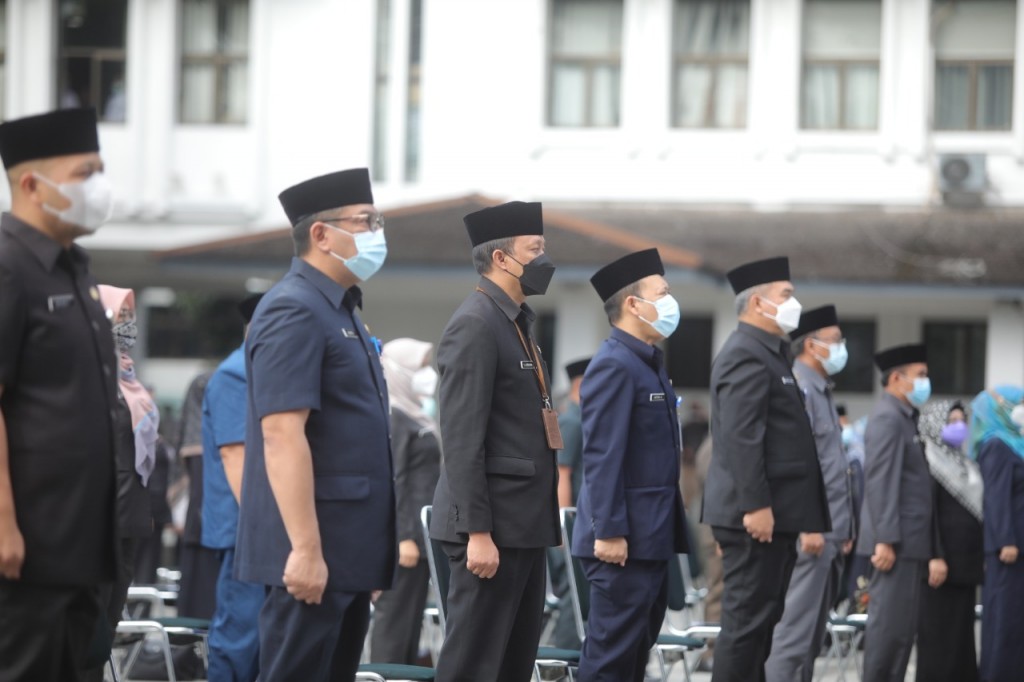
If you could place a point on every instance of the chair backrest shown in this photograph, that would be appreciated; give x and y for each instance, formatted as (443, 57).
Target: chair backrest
(440, 571)
(579, 586)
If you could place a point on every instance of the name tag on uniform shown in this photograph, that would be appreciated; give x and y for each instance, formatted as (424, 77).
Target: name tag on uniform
(657, 398)
(788, 381)
(527, 364)
(60, 301)
(349, 334)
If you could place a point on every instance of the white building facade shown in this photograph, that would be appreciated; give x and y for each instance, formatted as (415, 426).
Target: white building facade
(756, 107)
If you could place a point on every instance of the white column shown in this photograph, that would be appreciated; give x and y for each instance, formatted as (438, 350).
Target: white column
(646, 78)
(905, 92)
(30, 64)
(1004, 352)
(774, 75)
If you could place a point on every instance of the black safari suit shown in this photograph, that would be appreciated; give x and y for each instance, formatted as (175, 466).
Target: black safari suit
(498, 475)
(763, 455)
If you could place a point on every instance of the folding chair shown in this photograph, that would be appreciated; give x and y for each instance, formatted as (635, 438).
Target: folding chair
(666, 645)
(549, 660)
(846, 633)
(166, 632)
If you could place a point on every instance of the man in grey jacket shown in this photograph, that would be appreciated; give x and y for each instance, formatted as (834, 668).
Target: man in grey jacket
(896, 520)
(821, 352)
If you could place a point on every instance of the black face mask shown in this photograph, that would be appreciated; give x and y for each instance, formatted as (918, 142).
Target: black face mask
(536, 275)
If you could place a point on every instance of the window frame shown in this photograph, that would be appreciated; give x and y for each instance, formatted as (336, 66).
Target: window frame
(973, 67)
(841, 65)
(97, 56)
(928, 324)
(220, 60)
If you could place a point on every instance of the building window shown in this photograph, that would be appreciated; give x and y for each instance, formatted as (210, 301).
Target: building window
(585, 64)
(711, 43)
(688, 360)
(91, 56)
(859, 374)
(974, 50)
(214, 61)
(956, 356)
(382, 62)
(841, 48)
(412, 97)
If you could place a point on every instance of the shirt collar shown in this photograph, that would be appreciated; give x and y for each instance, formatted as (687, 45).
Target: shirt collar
(645, 351)
(907, 410)
(810, 376)
(45, 249)
(504, 302)
(332, 291)
(776, 344)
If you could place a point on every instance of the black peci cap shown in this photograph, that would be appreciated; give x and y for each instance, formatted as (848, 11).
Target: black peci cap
(610, 279)
(815, 319)
(58, 133)
(325, 192)
(514, 219)
(759, 272)
(577, 368)
(897, 356)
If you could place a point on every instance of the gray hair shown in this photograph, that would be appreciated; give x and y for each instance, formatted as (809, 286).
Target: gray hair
(743, 298)
(613, 306)
(482, 253)
(300, 233)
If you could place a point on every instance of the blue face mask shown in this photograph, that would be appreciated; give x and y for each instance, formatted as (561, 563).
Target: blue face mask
(847, 436)
(371, 251)
(922, 390)
(668, 315)
(954, 434)
(837, 357)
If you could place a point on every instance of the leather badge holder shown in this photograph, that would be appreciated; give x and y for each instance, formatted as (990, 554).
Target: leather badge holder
(551, 430)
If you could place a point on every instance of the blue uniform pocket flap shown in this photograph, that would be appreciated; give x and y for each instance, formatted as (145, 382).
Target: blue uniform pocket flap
(509, 466)
(341, 487)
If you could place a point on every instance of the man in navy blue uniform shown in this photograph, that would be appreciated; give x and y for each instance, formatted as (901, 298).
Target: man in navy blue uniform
(495, 507)
(764, 484)
(234, 636)
(317, 520)
(631, 521)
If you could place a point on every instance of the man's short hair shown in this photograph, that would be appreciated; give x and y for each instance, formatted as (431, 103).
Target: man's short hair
(743, 298)
(482, 253)
(889, 372)
(613, 306)
(300, 233)
(797, 345)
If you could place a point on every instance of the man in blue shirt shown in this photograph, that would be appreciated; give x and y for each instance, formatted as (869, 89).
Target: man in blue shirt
(234, 638)
(631, 521)
(317, 521)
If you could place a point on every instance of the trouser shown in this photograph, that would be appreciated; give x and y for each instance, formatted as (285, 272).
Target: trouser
(398, 616)
(312, 642)
(892, 620)
(45, 632)
(627, 608)
(756, 577)
(493, 625)
(798, 636)
(234, 632)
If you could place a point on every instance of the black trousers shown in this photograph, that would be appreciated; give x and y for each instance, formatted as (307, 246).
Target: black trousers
(398, 616)
(312, 642)
(945, 635)
(494, 625)
(756, 578)
(45, 632)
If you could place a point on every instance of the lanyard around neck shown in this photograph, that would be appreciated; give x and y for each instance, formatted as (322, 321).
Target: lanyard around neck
(530, 353)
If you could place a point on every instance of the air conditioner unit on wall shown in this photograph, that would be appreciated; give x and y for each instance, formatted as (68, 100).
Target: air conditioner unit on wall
(962, 178)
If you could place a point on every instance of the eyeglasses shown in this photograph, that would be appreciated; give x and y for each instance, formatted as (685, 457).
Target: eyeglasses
(371, 221)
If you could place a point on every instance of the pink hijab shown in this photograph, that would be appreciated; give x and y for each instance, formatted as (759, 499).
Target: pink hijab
(120, 305)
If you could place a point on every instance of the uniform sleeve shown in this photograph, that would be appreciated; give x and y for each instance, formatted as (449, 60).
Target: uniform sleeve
(883, 462)
(467, 359)
(607, 404)
(996, 462)
(12, 327)
(572, 439)
(743, 388)
(286, 355)
(226, 396)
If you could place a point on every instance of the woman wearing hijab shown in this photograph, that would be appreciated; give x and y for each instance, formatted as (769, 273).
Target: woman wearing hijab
(997, 442)
(136, 421)
(945, 634)
(411, 380)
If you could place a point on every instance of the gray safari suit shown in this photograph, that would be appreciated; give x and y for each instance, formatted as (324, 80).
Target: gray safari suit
(897, 510)
(815, 579)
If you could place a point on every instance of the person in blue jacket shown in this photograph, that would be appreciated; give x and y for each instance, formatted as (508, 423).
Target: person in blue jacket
(317, 520)
(630, 521)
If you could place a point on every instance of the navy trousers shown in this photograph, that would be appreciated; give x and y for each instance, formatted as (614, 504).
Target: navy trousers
(627, 608)
(312, 642)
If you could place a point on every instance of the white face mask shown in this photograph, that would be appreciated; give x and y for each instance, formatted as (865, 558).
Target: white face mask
(92, 201)
(424, 381)
(787, 314)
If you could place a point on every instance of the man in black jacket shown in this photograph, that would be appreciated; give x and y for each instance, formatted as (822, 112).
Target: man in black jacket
(495, 508)
(764, 484)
